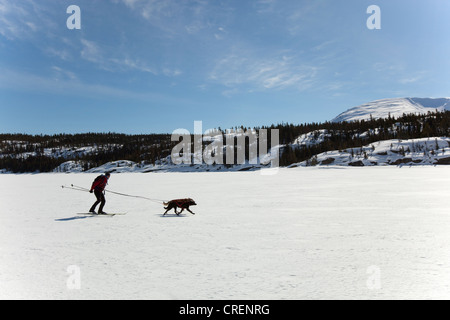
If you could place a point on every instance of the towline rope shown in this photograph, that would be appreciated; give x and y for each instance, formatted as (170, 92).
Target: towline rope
(78, 188)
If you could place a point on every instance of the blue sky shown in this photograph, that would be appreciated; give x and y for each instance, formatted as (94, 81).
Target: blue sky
(140, 66)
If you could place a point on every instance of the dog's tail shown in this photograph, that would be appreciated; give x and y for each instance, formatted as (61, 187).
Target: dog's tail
(165, 204)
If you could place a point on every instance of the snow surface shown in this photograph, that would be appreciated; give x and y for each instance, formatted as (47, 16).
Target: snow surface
(166, 165)
(62, 152)
(395, 107)
(424, 151)
(314, 233)
(311, 138)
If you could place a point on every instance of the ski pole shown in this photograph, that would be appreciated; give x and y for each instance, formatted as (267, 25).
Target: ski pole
(85, 189)
(72, 187)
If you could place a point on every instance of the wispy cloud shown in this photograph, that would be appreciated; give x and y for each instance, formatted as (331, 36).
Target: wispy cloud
(409, 80)
(91, 51)
(171, 72)
(127, 63)
(398, 71)
(265, 6)
(291, 16)
(26, 20)
(35, 24)
(65, 83)
(250, 73)
(161, 14)
(413, 77)
(63, 74)
(121, 61)
(175, 18)
(61, 53)
(388, 67)
(130, 3)
(15, 20)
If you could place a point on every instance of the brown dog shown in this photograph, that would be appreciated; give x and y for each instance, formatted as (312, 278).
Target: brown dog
(179, 203)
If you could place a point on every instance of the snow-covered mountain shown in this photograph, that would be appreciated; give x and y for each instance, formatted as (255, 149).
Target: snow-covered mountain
(395, 107)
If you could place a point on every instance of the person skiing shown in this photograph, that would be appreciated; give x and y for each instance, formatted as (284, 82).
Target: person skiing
(98, 188)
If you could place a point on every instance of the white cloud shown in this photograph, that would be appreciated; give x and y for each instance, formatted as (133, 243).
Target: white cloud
(178, 18)
(126, 64)
(409, 80)
(15, 20)
(265, 6)
(387, 67)
(256, 73)
(131, 3)
(64, 82)
(171, 72)
(62, 74)
(26, 20)
(121, 61)
(91, 51)
(62, 54)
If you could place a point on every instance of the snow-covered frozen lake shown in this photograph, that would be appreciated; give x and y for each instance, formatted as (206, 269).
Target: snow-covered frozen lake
(304, 233)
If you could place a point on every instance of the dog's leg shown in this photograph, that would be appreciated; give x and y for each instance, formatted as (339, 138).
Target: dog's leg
(168, 208)
(190, 211)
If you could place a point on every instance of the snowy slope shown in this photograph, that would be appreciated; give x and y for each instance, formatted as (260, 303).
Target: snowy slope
(425, 151)
(62, 152)
(166, 165)
(309, 233)
(311, 138)
(395, 107)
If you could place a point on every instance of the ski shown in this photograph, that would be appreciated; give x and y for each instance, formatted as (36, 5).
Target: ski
(103, 214)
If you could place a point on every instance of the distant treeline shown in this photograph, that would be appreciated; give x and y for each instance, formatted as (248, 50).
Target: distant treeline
(43, 153)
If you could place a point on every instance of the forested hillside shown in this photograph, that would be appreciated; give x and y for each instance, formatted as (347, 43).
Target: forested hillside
(300, 142)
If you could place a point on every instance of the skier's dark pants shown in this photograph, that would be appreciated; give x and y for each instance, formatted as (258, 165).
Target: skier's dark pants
(100, 199)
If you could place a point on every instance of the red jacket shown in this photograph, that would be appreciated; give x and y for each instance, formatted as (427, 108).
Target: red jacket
(99, 183)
